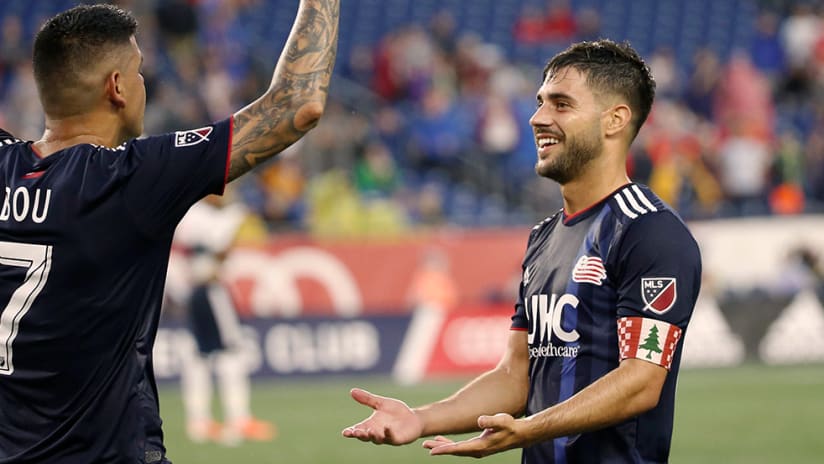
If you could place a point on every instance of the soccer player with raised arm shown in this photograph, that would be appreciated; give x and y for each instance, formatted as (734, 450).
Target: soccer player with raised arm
(609, 285)
(86, 226)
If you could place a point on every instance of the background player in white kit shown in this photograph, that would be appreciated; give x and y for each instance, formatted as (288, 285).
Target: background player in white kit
(207, 233)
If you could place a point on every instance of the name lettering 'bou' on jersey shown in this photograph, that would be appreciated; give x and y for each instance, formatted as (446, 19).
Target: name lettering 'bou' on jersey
(617, 280)
(85, 235)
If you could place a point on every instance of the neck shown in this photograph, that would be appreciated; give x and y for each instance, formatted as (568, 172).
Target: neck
(65, 132)
(600, 179)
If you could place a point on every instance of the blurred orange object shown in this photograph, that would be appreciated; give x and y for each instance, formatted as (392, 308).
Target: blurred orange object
(787, 199)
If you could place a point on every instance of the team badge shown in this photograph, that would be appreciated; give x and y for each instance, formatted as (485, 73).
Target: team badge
(658, 294)
(192, 137)
(589, 270)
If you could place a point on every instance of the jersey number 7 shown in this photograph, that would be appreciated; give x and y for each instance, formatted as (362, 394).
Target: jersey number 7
(36, 259)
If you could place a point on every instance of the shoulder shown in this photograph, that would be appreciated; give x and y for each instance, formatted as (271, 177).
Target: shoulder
(544, 227)
(647, 221)
(4, 136)
(636, 200)
(7, 138)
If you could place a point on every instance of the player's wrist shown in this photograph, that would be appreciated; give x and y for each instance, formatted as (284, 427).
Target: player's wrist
(423, 424)
(534, 429)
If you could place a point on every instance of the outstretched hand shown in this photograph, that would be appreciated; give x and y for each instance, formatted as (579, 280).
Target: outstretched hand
(501, 432)
(392, 422)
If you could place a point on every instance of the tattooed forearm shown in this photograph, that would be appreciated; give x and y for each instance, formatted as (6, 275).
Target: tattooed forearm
(297, 95)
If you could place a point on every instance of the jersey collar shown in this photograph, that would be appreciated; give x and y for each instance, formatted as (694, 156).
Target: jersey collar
(586, 212)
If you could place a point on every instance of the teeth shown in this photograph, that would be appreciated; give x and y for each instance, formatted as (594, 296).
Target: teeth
(543, 141)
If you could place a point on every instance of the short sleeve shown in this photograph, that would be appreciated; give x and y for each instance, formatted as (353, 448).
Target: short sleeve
(519, 318)
(658, 270)
(173, 171)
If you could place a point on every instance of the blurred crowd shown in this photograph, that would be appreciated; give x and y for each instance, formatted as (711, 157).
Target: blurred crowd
(428, 125)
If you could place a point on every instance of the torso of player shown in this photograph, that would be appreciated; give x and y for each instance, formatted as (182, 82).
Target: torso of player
(565, 286)
(621, 258)
(66, 243)
(85, 235)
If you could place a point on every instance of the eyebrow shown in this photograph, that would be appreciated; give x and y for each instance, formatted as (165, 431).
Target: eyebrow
(556, 96)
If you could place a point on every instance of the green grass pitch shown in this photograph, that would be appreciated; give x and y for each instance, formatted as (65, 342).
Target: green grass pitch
(750, 414)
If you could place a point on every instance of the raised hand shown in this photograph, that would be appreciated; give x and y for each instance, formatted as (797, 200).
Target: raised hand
(392, 422)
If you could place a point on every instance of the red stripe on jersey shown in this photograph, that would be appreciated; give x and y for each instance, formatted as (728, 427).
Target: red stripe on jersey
(648, 339)
(228, 154)
(34, 174)
(36, 151)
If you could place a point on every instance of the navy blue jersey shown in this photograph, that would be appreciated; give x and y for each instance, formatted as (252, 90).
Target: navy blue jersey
(85, 235)
(617, 280)
(6, 136)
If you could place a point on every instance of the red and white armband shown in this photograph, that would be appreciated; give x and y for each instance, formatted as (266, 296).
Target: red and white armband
(647, 339)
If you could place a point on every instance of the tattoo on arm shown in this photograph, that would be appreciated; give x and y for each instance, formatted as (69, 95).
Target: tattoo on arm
(297, 94)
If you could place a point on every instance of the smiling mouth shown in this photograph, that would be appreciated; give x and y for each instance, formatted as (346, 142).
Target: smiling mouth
(545, 143)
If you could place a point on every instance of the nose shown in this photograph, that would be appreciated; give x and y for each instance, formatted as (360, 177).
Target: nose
(539, 118)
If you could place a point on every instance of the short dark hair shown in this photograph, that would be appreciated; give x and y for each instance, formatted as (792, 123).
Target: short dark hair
(612, 68)
(71, 42)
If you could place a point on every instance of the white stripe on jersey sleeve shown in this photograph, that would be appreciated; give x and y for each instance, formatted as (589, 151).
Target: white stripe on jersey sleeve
(633, 202)
(643, 198)
(623, 206)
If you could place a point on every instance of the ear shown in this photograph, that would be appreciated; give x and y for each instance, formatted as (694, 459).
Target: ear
(114, 89)
(616, 119)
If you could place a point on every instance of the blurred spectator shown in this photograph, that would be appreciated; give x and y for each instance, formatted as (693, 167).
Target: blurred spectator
(766, 51)
(589, 24)
(787, 195)
(428, 209)
(744, 97)
(443, 30)
(799, 32)
(529, 28)
(283, 184)
(497, 137)
(375, 172)
(668, 78)
(744, 160)
(703, 82)
(439, 136)
(12, 49)
(433, 288)
(556, 24)
(24, 117)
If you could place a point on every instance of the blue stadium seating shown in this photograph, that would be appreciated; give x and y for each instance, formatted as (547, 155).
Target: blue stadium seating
(685, 26)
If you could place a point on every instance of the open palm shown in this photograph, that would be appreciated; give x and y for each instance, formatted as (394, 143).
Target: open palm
(392, 422)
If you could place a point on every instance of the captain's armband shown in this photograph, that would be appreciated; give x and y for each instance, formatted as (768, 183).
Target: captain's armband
(647, 339)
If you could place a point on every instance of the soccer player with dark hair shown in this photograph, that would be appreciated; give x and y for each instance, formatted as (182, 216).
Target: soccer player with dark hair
(609, 285)
(87, 223)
